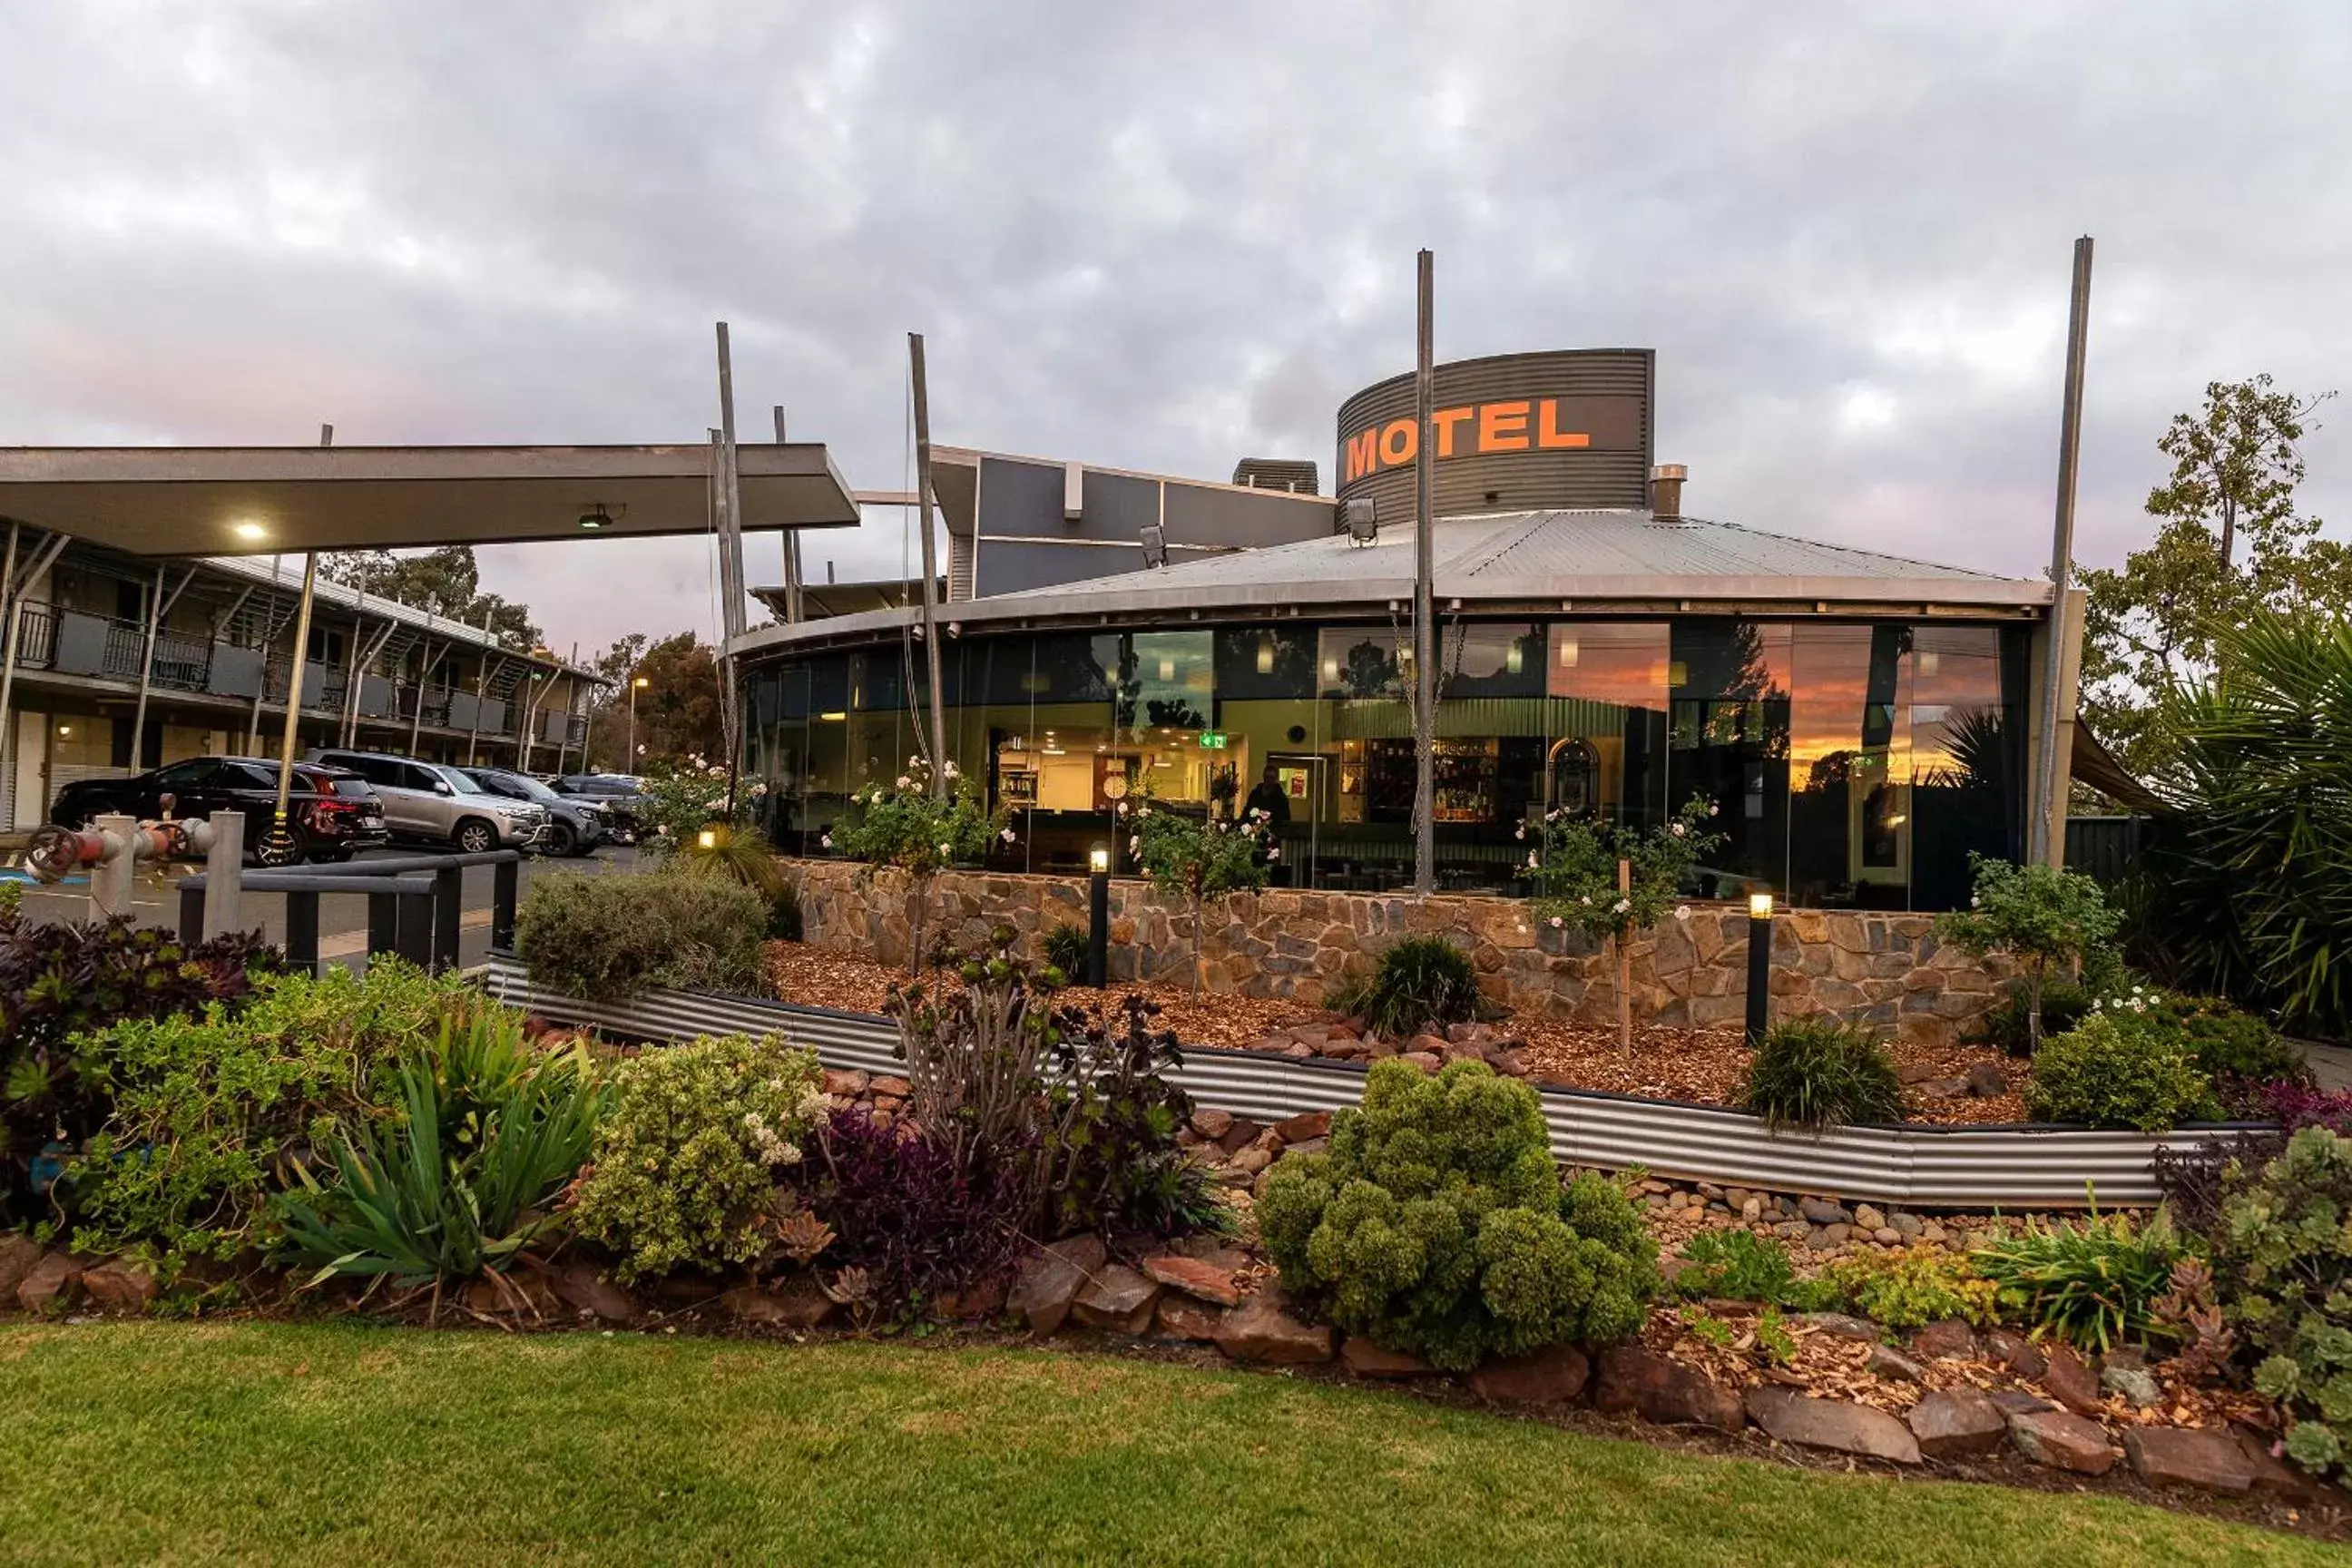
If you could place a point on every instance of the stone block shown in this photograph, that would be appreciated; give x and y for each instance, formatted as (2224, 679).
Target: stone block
(1832, 1423)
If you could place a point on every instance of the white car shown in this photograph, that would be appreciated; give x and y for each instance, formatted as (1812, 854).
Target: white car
(437, 803)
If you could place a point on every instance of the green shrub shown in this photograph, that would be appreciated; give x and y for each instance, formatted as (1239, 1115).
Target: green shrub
(2093, 1284)
(608, 938)
(1419, 983)
(687, 1159)
(2009, 1026)
(2230, 1045)
(1740, 1265)
(1909, 1288)
(1818, 1073)
(2108, 1073)
(207, 1109)
(786, 922)
(406, 1203)
(1436, 1224)
(1197, 857)
(1065, 948)
(2283, 1272)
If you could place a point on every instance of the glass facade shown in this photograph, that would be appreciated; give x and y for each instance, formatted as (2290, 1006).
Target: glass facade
(1854, 763)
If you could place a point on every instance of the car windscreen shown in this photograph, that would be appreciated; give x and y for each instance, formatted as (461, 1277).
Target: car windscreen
(527, 788)
(354, 789)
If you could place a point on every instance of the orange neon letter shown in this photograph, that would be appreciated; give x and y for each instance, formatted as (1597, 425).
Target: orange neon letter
(1399, 442)
(1445, 419)
(1551, 436)
(1363, 453)
(1502, 427)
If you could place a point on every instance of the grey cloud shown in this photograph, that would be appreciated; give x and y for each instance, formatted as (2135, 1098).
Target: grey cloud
(1162, 238)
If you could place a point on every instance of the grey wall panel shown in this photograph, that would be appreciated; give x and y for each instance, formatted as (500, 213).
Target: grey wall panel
(494, 717)
(1008, 567)
(463, 709)
(375, 697)
(1606, 395)
(235, 671)
(1117, 507)
(1198, 514)
(1019, 498)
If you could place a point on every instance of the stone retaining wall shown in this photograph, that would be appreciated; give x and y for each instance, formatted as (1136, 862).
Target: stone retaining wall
(1884, 969)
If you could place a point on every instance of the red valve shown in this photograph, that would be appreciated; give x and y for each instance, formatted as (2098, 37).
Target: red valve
(58, 852)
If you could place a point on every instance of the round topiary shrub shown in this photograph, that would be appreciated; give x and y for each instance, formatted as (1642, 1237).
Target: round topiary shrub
(2107, 1072)
(1818, 1073)
(1419, 982)
(1436, 1224)
(605, 939)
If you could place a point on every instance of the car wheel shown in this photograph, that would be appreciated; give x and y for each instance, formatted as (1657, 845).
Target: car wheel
(476, 836)
(561, 840)
(274, 854)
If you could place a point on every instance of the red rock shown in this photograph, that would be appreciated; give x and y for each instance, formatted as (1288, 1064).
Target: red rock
(1303, 1126)
(1426, 1061)
(800, 1303)
(119, 1286)
(1182, 1318)
(1211, 1124)
(1848, 1428)
(1346, 1048)
(985, 1300)
(2272, 1476)
(585, 1291)
(1239, 1134)
(2188, 1457)
(749, 1304)
(1511, 1064)
(50, 1282)
(1427, 1045)
(1365, 1359)
(1664, 1391)
(1194, 1277)
(2007, 1348)
(1051, 1280)
(2069, 1382)
(2061, 1441)
(847, 1083)
(1551, 1376)
(19, 1254)
(1959, 1423)
(1117, 1299)
(1261, 1330)
(1950, 1340)
(892, 1084)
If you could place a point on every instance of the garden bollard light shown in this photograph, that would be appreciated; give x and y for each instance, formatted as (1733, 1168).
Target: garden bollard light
(1097, 916)
(1759, 966)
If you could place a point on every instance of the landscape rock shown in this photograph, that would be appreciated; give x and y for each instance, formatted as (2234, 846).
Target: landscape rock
(2007, 1348)
(1821, 1211)
(2069, 1382)
(50, 1282)
(1887, 1362)
(1842, 1325)
(19, 1254)
(1182, 1318)
(1303, 1126)
(1986, 1080)
(1663, 1391)
(847, 1083)
(2135, 1383)
(1213, 1125)
(1868, 1218)
(1365, 1359)
(802, 1303)
(1956, 1424)
(1428, 1062)
(2061, 1441)
(891, 1084)
(1118, 1299)
(1551, 1376)
(1945, 1087)
(749, 1304)
(582, 1289)
(1194, 1277)
(1250, 1161)
(1239, 1134)
(1947, 1339)
(1051, 1280)
(1260, 1329)
(120, 1286)
(2272, 1476)
(2188, 1457)
(1794, 1418)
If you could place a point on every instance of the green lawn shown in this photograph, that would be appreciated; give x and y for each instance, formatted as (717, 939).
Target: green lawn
(261, 1443)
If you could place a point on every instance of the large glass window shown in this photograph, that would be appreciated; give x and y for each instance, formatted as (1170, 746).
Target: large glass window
(1730, 743)
(1606, 731)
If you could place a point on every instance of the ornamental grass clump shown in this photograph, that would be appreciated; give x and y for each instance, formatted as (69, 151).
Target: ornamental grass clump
(1816, 1073)
(686, 1161)
(1418, 982)
(1436, 1224)
(2093, 1284)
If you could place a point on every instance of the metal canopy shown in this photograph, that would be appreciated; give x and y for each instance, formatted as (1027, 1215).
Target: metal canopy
(251, 500)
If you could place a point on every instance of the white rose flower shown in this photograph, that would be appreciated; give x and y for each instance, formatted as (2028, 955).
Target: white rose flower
(1006, 835)
(1531, 860)
(1682, 911)
(904, 782)
(1135, 844)
(1557, 923)
(1621, 907)
(1678, 830)
(1521, 832)
(943, 849)
(825, 840)
(1274, 853)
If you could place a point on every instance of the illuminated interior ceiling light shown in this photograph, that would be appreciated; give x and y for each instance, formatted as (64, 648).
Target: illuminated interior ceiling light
(249, 530)
(834, 717)
(1515, 658)
(1167, 669)
(1568, 653)
(1265, 656)
(1930, 660)
(1331, 669)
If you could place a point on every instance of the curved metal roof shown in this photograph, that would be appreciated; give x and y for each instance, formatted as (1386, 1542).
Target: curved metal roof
(1514, 560)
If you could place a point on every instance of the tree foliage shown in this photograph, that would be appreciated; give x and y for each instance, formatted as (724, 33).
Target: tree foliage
(905, 824)
(2039, 915)
(445, 581)
(1574, 868)
(2228, 544)
(679, 711)
(1194, 858)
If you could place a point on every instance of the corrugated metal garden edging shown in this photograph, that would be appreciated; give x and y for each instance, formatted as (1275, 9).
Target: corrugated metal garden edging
(1977, 1168)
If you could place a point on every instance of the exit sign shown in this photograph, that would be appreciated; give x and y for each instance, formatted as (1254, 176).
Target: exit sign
(1213, 740)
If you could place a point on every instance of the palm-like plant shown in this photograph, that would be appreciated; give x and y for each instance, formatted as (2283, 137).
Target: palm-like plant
(2252, 890)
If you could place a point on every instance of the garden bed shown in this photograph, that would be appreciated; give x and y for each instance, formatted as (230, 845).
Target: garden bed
(1696, 1066)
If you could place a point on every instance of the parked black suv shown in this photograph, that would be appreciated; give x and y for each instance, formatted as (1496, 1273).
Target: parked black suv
(575, 824)
(333, 812)
(619, 794)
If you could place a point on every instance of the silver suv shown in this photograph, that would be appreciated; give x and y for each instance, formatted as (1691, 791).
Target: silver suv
(438, 803)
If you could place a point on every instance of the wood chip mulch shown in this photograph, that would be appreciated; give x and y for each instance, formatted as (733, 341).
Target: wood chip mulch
(1704, 1066)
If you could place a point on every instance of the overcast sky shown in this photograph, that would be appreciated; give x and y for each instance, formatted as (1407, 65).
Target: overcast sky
(1162, 236)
